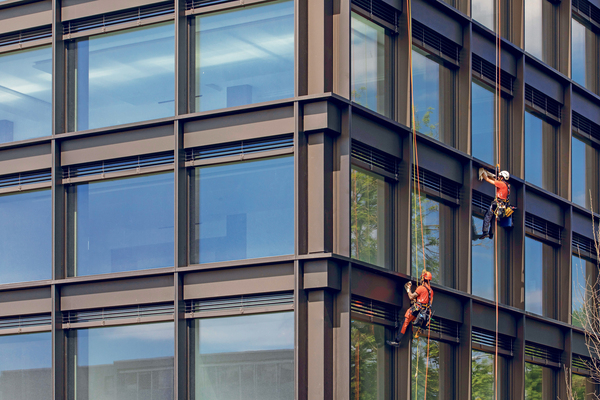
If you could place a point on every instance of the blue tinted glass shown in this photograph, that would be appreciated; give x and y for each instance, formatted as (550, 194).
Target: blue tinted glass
(26, 366)
(245, 56)
(243, 210)
(426, 82)
(26, 94)
(534, 267)
(125, 77)
(578, 59)
(124, 362)
(26, 236)
(533, 154)
(482, 264)
(583, 172)
(121, 225)
(258, 364)
(482, 117)
(534, 39)
(578, 289)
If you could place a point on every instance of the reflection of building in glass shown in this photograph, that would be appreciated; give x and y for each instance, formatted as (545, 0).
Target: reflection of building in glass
(26, 384)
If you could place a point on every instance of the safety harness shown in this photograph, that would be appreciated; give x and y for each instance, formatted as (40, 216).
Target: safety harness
(503, 207)
(424, 310)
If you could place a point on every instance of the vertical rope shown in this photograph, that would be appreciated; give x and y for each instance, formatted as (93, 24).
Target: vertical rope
(498, 130)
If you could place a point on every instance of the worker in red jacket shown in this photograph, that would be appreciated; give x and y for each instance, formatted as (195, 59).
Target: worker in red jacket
(502, 193)
(421, 307)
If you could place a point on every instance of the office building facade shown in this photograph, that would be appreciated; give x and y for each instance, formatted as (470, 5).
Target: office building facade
(219, 199)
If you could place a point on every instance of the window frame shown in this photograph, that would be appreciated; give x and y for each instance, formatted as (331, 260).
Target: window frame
(549, 301)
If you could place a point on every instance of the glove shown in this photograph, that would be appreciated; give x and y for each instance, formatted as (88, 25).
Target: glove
(407, 286)
(481, 173)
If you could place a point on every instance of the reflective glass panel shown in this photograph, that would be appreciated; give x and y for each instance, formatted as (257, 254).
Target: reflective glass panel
(368, 362)
(242, 210)
(426, 82)
(584, 173)
(482, 118)
(540, 152)
(369, 68)
(533, 382)
(439, 381)
(483, 11)
(578, 56)
(26, 366)
(581, 271)
(26, 236)
(368, 216)
(122, 362)
(533, 28)
(534, 277)
(248, 357)
(244, 56)
(578, 385)
(26, 94)
(482, 263)
(122, 77)
(121, 225)
(482, 378)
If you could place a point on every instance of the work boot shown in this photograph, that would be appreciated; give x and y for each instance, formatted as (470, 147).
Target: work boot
(393, 343)
(484, 235)
(491, 235)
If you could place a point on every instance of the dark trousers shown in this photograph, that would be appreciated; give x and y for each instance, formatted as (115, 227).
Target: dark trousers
(488, 227)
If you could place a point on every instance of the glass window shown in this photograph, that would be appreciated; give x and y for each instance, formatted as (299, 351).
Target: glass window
(540, 152)
(482, 263)
(242, 210)
(244, 56)
(539, 263)
(122, 362)
(434, 97)
(371, 83)
(484, 12)
(369, 362)
(482, 378)
(121, 77)
(369, 217)
(120, 225)
(229, 365)
(26, 236)
(438, 235)
(539, 382)
(583, 63)
(26, 85)
(26, 366)
(584, 173)
(578, 385)
(440, 381)
(540, 30)
(483, 142)
(582, 272)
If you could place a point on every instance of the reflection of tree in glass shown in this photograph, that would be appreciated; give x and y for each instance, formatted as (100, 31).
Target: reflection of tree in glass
(578, 386)
(366, 342)
(430, 212)
(358, 94)
(482, 384)
(364, 221)
(433, 374)
(533, 382)
(425, 126)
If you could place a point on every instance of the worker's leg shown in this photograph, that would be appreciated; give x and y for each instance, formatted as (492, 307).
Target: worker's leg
(407, 321)
(487, 220)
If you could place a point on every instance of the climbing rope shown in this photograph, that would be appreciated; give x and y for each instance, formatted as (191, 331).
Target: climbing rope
(498, 127)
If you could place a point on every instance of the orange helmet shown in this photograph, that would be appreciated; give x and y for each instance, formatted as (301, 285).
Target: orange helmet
(426, 275)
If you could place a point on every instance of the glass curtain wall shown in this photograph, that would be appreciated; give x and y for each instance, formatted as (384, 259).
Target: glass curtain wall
(540, 30)
(540, 261)
(584, 173)
(539, 382)
(433, 97)
(540, 152)
(369, 217)
(121, 77)
(121, 362)
(482, 263)
(370, 65)
(582, 274)
(584, 53)
(440, 373)
(369, 362)
(26, 236)
(482, 375)
(26, 366)
(578, 385)
(243, 56)
(26, 85)
(117, 225)
(242, 210)
(243, 357)
(483, 141)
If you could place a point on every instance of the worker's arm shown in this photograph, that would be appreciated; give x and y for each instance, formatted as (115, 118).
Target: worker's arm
(489, 180)
(411, 295)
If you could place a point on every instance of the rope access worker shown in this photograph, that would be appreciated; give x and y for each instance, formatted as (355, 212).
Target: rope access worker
(501, 200)
(420, 311)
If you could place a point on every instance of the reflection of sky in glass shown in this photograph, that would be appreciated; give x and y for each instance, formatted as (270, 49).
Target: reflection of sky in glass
(246, 210)
(245, 56)
(368, 62)
(426, 80)
(483, 12)
(124, 224)
(102, 346)
(578, 52)
(533, 28)
(579, 191)
(126, 76)
(482, 117)
(26, 236)
(430, 210)
(533, 146)
(25, 94)
(245, 333)
(534, 268)
(482, 253)
(578, 286)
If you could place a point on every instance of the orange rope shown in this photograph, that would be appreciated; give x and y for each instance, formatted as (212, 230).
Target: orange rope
(498, 125)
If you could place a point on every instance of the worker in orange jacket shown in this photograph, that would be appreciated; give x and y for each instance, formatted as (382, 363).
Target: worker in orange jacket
(502, 193)
(421, 307)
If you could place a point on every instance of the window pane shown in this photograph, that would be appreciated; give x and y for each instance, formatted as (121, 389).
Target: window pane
(123, 362)
(426, 81)
(482, 116)
(26, 236)
(368, 361)
(533, 28)
(369, 215)
(580, 271)
(244, 357)
(540, 150)
(243, 210)
(121, 225)
(369, 72)
(578, 383)
(26, 85)
(244, 56)
(26, 366)
(483, 11)
(578, 56)
(122, 77)
(482, 380)
(534, 268)
(583, 172)
(482, 263)
(533, 381)
(439, 383)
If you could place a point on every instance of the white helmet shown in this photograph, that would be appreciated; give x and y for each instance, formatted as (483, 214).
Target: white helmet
(504, 175)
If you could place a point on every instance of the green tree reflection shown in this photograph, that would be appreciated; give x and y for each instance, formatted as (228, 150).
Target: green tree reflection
(429, 210)
(419, 360)
(366, 361)
(482, 379)
(533, 381)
